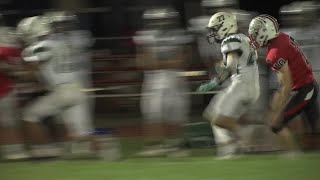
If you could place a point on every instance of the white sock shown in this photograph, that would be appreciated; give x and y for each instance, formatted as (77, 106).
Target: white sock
(221, 135)
(223, 139)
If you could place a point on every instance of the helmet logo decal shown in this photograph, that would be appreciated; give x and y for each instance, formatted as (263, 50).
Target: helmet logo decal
(255, 28)
(279, 64)
(265, 40)
(273, 20)
(220, 18)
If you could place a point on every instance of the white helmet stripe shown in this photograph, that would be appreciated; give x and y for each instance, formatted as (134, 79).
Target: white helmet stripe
(272, 19)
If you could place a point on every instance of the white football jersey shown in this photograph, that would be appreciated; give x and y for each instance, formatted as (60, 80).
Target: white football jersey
(247, 68)
(82, 40)
(60, 60)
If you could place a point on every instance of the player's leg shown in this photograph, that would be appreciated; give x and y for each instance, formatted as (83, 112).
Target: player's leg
(36, 134)
(287, 137)
(223, 114)
(12, 142)
(297, 104)
(228, 127)
(175, 115)
(225, 142)
(313, 116)
(34, 112)
(231, 106)
(153, 104)
(289, 141)
(57, 130)
(310, 139)
(222, 137)
(312, 113)
(79, 122)
(62, 97)
(52, 104)
(153, 126)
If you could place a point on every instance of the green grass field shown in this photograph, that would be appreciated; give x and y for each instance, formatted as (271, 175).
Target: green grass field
(256, 167)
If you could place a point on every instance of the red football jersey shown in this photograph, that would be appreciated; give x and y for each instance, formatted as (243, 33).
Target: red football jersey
(10, 55)
(285, 49)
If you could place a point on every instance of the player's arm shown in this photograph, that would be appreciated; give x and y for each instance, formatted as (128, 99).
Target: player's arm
(225, 72)
(231, 48)
(34, 56)
(282, 96)
(230, 68)
(36, 53)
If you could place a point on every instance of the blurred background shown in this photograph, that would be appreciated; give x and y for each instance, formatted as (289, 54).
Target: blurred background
(119, 82)
(113, 24)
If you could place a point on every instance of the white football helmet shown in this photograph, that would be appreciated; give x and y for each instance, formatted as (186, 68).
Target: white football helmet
(29, 29)
(41, 28)
(62, 21)
(23, 27)
(220, 26)
(262, 29)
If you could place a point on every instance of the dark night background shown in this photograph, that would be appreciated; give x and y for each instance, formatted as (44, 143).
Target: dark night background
(120, 20)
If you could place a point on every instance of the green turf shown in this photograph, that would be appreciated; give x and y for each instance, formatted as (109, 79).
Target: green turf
(257, 167)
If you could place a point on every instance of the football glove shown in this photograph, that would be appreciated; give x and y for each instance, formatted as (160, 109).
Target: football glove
(208, 86)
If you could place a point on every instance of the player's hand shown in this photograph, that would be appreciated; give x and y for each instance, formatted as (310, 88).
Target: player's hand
(272, 118)
(219, 67)
(208, 86)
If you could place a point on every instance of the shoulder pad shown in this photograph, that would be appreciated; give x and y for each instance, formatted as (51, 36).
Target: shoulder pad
(231, 43)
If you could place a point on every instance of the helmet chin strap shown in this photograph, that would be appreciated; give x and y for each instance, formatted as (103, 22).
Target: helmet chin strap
(218, 40)
(265, 42)
(269, 41)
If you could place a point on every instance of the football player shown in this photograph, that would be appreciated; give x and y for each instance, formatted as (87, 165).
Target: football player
(210, 56)
(12, 144)
(298, 22)
(298, 89)
(61, 70)
(67, 27)
(162, 48)
(241, 68)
